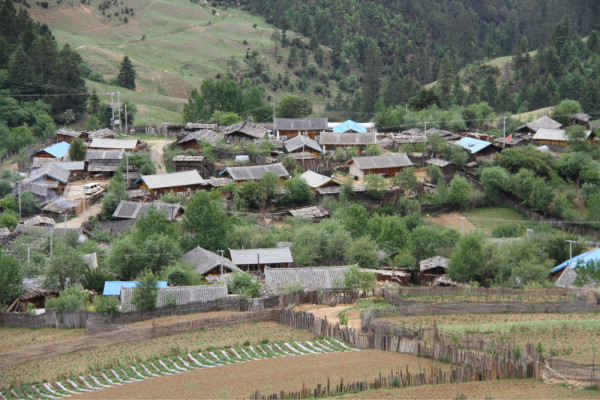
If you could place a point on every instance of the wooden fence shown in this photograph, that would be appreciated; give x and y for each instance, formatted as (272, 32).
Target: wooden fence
(51, 318)
(417, 291)
(331, 297)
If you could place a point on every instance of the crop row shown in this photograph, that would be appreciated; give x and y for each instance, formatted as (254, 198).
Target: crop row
(173, 364)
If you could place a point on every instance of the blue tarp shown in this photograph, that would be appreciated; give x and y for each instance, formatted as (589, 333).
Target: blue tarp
(473, 145)
(583, 257)
(349, 125)
(57, 150)
(113, 288)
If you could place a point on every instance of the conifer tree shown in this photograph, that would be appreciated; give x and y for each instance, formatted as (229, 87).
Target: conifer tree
(126, 76)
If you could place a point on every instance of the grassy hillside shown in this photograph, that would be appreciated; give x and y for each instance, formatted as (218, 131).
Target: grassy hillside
(173, 45)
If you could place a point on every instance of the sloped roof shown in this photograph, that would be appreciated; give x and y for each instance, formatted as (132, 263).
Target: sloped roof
(264, 256)
(439, 162)
(349, 139)
(218, 182)
(207, 135)
(338, 189)
(472, 145)
(310, 212)
(299, 124)
(199, 125)
(301, 142)
(101, 133)
(255, 171)
(542, 123)
(379, 162)
(309, 278)
(348, 126)
(127, 144)
(433, 262)
(180, 295)
(4, 231)
(315, 180)
(95, 154)
(113, 288)
(137, 193)
(247, 128)
(51, 170)
(591, 255)
(39, 220)
(71, 165)
(134, 210)
(204, 261)
(185, 178)
(57, 150)
(558, 135)
(581, 117)
(187, 158)
(68, 132)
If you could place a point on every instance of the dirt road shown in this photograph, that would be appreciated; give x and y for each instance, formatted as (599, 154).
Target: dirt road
(157, 150)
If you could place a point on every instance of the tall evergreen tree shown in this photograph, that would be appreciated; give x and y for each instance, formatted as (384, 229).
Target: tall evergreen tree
(372, 77)
(126, 76)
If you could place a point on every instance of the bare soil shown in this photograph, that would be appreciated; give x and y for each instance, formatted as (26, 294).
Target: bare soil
(268, 376)
(509, 389)
(452, 220)
(179, 318)
(332, 313)
(12, 339)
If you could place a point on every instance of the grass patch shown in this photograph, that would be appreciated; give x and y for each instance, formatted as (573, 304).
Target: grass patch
(489, 218)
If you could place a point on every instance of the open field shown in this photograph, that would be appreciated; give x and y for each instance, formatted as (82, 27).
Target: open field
(81, 361)
(475, 297)
(572, 337)
(271, 375)
(513, 389)
(489, 218)
(12, 339)
(452, 220)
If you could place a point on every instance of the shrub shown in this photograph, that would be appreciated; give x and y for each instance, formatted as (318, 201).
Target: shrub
(343, 318)
(508, 230)
(244, 285)
(106, 305)
(73, 298)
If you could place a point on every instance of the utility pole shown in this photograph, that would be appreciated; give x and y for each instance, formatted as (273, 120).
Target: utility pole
(221, 251)
(462, 225)
(571, 251)
(127, 169)
(119, 110)
(504, 132)
(28, 253)
(19, 188)
(126, 126)
(425, 149)
(274, 121)
(112, 109)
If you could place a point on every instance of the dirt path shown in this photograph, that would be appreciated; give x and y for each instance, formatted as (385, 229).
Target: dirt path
(78, 220)
(268, 375)
(157, 150)
(452, 220)
(332, 313)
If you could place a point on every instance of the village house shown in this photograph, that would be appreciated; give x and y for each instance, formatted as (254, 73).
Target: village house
(134, 210)
(184, 162)
(67, 135)
(243, 131)
(179, 182)
(191, 140)
(478, 149)
(177, 295)
(557, 138)
(313, 213)
(292, 127)
(564, 273)
(103, 163)
(447, 168)
(254, 260)
(581, 119)
(349, 126)
(432, 268)
(113, 288)
(131, 145)
(56, 152)
(359, 141)
(255, 172)
(542, 123)
(207, 263)
(315, 180)
(76, 168)
(51, 173)
(310, 278)
(302, 143)
(100, 134)
(388, 165)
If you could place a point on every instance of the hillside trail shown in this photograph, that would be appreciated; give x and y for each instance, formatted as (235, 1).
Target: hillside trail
(157, 151)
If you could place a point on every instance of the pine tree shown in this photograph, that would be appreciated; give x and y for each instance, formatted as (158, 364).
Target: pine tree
(78, 150)
(446, 76)
(126, 76)
(293, 58)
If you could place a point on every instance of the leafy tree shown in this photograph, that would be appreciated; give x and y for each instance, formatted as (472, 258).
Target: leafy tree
(106, 305)
(205, 218)
(460, 191)
(66, 267)
(429, 241)
(145, 293)
(30, 204)
(289, 163)
(373, 150)
(563, 111)
(468, 262)
(126, 77)
(115, 192)
(406, 179)
(270, 183)
(355, 279)
(494, 181)
(70, 299)
(253, 193)
(363, 251)
(578, 139)
(292, 106)
(78, 150)
(593, 206)
(244, 285)
(5, 187)
(355, 220)
(435, 174)
(11, 279)
(297, 192)
(376, 186)
(393, 235)
(94, 278)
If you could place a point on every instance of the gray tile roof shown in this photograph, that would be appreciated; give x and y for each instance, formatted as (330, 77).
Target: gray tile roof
(543, 123)
(338, 189)
(385, 161)
(581, 117)
(51, 170)
(133, 210)
(101, 133)
(264, 256)
(301, 142)
(185, 157)
(126, 144)
(247, 128)
(71, 165)
(104, 165)
(551, 134)
(348, 139)
(309, 278)
(180, 294)
(256, 171)
(218, 182)
(315, 180)
(433, 262)
(207, 135)
(300, 124)
(439, 162)
(199, 125)
(309, 212)
(185, 178)
(39, 220)
(104, 155)
(68, 132)
(204, 261)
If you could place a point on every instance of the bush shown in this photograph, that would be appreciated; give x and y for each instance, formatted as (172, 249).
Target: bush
(244, 285)
(71, 299)
(106, 305)
(343, 318)
(508, 230)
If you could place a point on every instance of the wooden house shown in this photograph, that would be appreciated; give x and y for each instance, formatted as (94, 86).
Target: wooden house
(310, 278)
(56, 152)
(292, 127)
(67, 135)
(360, 141)
(36, 296)
(191, 140)
(388, 165)
(313, 213)
(316, 181)
(131, 145)
(184, 162)
(349, 126)
(302, 143)
(179, 182)
(581, 119)
(243, 131)
(207, 263)
(103, 163)
(255, 172)
(100, 134)
(432, 268)
(557, 138)
(51, 173)
(177, 295)
(134, 210)
(76, 168)
(478, 149)
(448, 168)
(542, 123)
(257, 259)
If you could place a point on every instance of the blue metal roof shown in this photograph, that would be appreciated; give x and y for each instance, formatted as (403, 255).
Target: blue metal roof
(113, 288)
(583, 257)
(57, 150)
(349, 126)
(473, 145)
